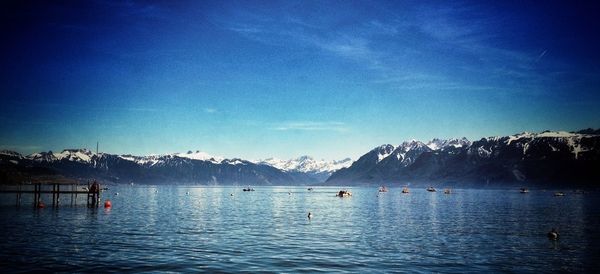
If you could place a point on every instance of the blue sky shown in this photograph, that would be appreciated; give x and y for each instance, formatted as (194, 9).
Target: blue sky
(257, 79)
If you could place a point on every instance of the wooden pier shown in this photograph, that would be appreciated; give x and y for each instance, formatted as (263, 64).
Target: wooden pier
(58, 189)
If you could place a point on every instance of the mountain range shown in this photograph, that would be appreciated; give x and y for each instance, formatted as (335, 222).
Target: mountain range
(546, 159)
(183, 168)
(549, 158)
(317, 169)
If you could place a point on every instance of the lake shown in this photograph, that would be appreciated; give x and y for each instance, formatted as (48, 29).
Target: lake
(192, 229)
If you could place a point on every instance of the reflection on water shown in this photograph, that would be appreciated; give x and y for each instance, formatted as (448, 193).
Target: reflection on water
(179, 228)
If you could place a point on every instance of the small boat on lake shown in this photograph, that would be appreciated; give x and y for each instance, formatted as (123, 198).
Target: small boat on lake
(524, 190)
(447, 191)
(383, 189)
(431, 189)
(310, 189)
(405, 190)
(344, 193)
(559, 194)
(248, 189)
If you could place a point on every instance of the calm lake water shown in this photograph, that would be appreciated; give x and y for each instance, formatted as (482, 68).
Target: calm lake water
(165, 229)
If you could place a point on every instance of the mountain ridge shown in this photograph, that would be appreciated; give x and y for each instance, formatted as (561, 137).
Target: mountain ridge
(189, 168)
(544, 158)
(548, 157)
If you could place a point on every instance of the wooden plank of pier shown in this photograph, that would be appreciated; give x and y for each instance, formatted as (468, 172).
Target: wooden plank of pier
(56, 191)
(46, 191)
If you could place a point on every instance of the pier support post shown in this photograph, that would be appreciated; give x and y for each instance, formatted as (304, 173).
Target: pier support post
(37, 194)
(19, 196)
(53, 195)
(88, 196)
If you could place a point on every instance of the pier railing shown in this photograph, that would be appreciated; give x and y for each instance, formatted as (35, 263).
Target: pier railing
(56, 189)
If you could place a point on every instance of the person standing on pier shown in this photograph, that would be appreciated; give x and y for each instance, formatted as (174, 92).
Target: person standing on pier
(95, 192)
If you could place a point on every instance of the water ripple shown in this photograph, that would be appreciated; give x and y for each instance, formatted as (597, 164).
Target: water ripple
(267, 230)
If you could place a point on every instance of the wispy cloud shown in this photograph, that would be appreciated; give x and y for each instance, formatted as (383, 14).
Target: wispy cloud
(23, 104)
(134, 109)
(353, 48)
(311, 126)
(425, 43)
(467, 30)
(304, 33)
(210, 110)
(356, 46)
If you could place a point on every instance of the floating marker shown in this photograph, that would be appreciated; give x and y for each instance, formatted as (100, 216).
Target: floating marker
(107, 204)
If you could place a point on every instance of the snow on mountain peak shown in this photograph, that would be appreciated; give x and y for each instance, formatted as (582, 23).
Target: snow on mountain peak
(200, 155)
(457, 143)
(234, 161)
(572, 140)
(543, 134)
(437, 144)
(11, 153)
(412, 144)
(76, 155)
(306, 164)
(150, 160)
(557, 134)
(383, 151)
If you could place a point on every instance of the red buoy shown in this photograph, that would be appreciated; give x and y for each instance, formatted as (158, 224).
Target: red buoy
(107, 204)
(41, 205)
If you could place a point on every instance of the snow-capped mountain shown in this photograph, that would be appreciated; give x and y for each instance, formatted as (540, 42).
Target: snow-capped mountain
(306, 164)
(437, 144)
(530, 143)
(382, 152)
(306, 168)
(152, 160)
(199, 155)
(413, 148)
(77, 155)
(407, 152)
(11, 153)
(191, 167)
(546, 157)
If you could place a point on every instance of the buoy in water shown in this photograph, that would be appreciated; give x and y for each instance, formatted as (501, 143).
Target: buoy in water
(107, 204)
(310, 215)
(231, 194)
(553, 234)
(187, 193)
(41, 204)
